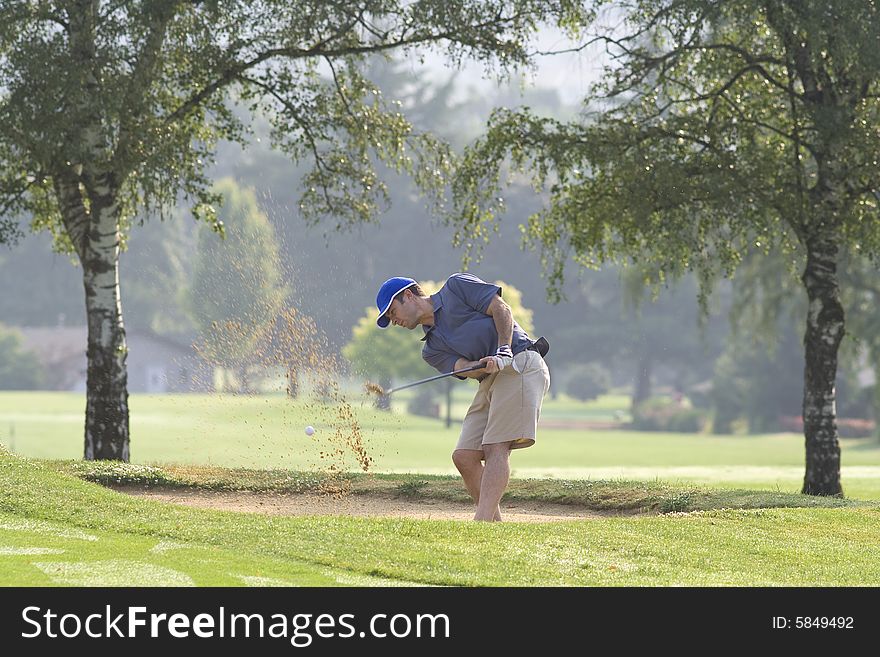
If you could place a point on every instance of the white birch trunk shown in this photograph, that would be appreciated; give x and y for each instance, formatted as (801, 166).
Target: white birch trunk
(825, 329)
(107, 421)
(88, 190)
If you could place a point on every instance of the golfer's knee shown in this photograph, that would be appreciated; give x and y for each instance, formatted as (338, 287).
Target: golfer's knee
(465, 459)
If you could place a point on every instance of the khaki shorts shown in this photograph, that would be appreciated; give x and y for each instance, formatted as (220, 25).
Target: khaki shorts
(507, 405)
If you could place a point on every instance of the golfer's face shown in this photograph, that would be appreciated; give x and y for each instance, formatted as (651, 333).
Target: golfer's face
(401, 312)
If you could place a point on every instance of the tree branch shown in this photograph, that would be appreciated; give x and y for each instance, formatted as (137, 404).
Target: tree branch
(146, 63)
(228, 75)
(721, 94)
(234, 71)
(664, 64)
(12, 198)
(74, 214)
(339, 89)
(320, 163)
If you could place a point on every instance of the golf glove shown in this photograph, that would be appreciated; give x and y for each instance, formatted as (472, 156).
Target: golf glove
(503, 356)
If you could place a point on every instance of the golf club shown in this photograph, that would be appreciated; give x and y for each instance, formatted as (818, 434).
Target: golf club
(478, 366)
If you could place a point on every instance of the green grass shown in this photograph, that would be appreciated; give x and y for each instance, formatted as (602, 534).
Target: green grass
(43, 553)
(681, 509)
(56, 529)
(267, 433)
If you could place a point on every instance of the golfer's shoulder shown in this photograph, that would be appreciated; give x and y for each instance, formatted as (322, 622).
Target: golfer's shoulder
(463, 278)
(469, 291)
(463, 284)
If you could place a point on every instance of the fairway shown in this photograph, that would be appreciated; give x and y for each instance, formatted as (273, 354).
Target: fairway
(268, 432)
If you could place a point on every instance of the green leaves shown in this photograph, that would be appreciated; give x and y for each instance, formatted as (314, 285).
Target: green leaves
(138, 91)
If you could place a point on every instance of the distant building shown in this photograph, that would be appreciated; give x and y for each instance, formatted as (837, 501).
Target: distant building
(155, 363)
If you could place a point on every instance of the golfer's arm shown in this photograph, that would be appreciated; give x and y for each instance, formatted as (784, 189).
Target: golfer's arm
(500, 312)
(462, 363)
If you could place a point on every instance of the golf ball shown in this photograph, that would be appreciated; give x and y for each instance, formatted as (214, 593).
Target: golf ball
(310, 430)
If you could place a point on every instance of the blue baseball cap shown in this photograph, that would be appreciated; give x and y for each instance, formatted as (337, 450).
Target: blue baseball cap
(390, 289)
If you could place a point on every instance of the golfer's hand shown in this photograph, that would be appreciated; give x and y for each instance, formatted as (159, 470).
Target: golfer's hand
(502, 358)
(491, 365)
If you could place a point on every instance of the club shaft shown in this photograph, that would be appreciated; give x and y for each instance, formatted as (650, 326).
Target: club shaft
(480, 366)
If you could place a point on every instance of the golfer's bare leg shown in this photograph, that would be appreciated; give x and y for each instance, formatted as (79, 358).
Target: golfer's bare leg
(470, 465)
(496, 475)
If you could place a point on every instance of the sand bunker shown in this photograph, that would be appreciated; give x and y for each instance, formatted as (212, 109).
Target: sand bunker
(360, 505)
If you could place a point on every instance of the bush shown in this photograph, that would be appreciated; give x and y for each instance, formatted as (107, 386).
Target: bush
(846, 427)
(855, 427)
(19, 369)
(726, 396)
(689, 420)
(666, 414)
(653, 414)
(424, 404)
(701, 396)
(586, 382)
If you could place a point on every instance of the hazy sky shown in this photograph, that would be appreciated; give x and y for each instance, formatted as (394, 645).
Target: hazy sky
(570, 74)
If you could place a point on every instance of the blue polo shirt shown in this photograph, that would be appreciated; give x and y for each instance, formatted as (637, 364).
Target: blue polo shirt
(462, 329)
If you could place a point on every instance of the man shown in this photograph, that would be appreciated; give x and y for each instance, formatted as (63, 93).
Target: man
(467, 323)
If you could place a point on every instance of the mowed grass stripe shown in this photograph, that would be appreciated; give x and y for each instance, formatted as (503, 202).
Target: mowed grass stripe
(48, 554)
